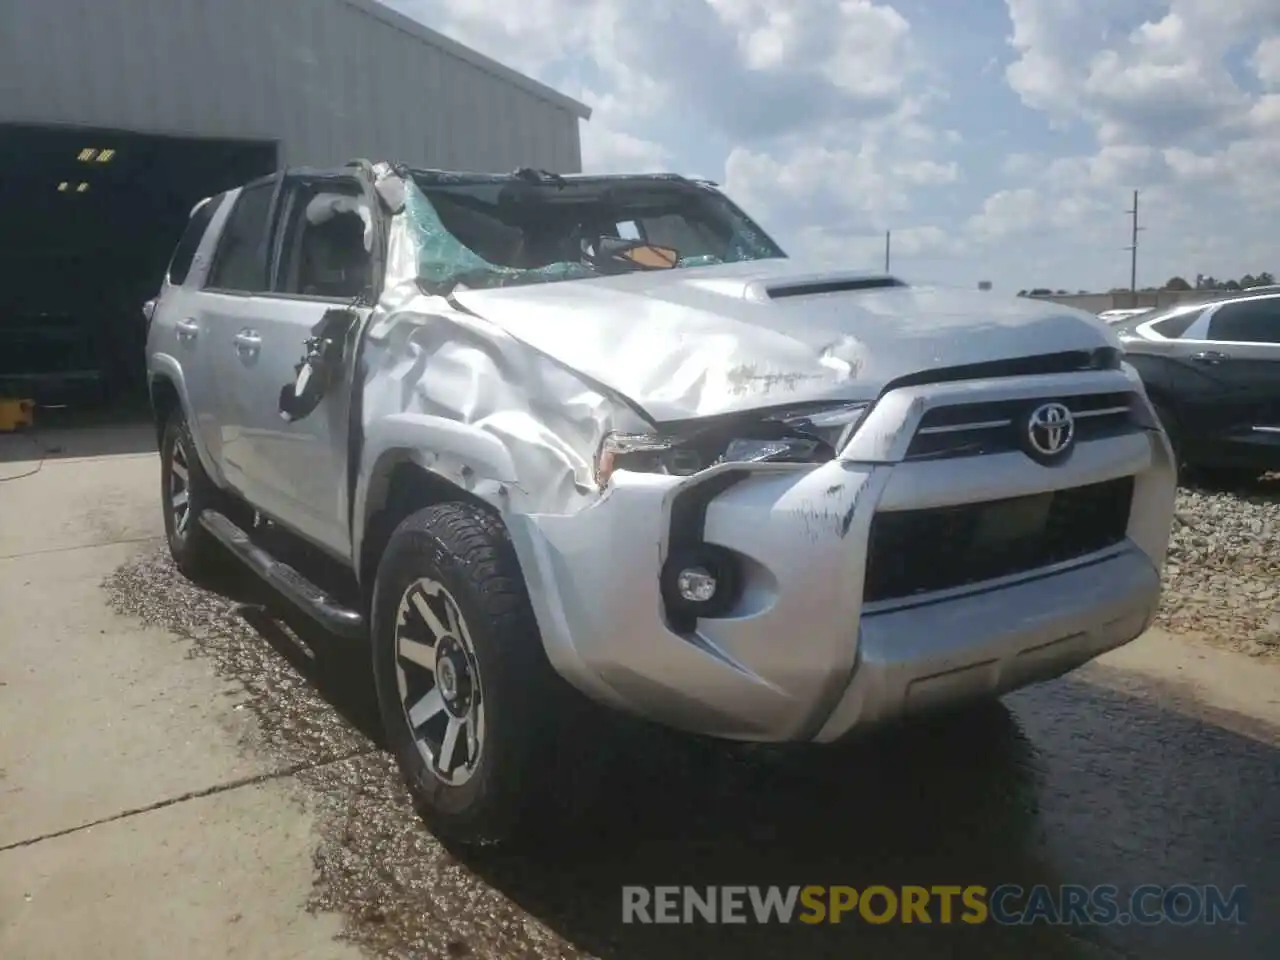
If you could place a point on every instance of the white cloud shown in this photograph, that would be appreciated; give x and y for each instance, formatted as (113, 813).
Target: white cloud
(1244, 169)
(912, 250)
(811, 177)
(848, 180)
(856, 45)
(612, 151)
(1018, 165)
(1008, 212)
(608, 146)
(828, 117)
(1163, 89)
(1162, 80)
(529, 35)
(864, 186)
(841, 58)
(1266, 62)
(823, 103)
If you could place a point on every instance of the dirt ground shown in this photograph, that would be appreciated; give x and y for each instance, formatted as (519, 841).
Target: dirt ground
(194, 773)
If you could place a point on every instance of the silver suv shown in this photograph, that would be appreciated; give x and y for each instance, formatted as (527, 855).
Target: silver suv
(603, 430)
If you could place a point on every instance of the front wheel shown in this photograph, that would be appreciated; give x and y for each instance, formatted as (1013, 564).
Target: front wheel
(1226, 478)
(467, 697)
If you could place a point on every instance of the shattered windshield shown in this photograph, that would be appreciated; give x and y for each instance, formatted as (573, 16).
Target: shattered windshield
(502, 231)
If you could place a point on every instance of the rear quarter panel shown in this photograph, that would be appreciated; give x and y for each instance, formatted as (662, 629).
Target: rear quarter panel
(186, 367)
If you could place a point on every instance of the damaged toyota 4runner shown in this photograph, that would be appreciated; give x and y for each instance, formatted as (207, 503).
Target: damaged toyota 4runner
(603, 430)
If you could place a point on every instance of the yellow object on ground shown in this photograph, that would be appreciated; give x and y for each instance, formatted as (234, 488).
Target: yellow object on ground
(15, 414)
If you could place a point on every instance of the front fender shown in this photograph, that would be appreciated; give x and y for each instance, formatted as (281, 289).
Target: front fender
(465, 456)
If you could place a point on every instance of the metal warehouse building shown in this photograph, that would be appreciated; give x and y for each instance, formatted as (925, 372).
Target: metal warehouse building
(117, 116)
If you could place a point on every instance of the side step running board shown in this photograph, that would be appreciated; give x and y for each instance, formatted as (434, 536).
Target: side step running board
(296, 588)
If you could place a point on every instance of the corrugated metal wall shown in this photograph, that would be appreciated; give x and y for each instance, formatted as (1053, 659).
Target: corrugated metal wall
(329, 80)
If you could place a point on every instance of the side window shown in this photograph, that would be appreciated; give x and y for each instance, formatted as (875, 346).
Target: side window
(184, 253)
(238, 263)
(1251, 321)
(324, 250)
(1171, 328)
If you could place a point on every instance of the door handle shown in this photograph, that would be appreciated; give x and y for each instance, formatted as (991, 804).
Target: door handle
(247, 342)
(187, 329)
(1210, 357)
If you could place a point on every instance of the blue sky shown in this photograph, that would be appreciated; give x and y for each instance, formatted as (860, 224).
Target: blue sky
(998, 139)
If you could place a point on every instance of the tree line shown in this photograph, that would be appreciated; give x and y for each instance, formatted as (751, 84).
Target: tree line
(1202, 282)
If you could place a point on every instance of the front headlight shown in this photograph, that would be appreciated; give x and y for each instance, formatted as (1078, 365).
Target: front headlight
(645, 453)
(834, 425)
(797, 436)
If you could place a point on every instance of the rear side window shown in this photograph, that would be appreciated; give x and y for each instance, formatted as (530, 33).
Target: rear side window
(1171, 328)
(184, 254)
(240, 263)
(1250, 321)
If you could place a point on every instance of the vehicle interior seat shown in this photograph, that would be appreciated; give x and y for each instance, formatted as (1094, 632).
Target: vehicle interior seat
(333, 261)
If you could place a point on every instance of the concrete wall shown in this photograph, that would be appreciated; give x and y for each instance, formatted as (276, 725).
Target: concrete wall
(1098, 302)
(329, 80)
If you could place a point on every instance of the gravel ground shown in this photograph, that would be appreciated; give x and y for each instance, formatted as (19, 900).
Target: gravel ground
(1222, 582)
(755, 817)
(406, 896)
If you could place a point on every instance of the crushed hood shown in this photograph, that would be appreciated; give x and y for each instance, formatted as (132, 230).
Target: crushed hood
(712, 340)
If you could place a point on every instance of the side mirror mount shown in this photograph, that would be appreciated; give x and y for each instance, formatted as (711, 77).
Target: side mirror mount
(149, 311)
(320, 366)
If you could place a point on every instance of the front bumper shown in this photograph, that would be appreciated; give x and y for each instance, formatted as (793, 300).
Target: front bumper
(801, 657)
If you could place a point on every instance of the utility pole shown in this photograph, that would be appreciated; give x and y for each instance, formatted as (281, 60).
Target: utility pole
(886, 251)
(1133, 253)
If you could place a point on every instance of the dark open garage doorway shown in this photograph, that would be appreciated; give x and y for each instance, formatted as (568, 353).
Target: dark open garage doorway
(88, 219)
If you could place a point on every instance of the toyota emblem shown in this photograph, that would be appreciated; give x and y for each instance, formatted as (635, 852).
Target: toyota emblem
(1051, 432)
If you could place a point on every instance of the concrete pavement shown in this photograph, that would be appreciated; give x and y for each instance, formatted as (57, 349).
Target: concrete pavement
(1235, 692)
(136, 819)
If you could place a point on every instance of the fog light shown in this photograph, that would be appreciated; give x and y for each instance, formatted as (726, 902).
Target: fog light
(699, 582)
(696, 584)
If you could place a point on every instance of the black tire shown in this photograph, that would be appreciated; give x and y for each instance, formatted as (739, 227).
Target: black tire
(986, 715)
(460, 552)
(1172, 431)
(1226, 478)
(195, 551)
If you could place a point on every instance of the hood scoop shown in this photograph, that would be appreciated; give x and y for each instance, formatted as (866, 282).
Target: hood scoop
(814, 286)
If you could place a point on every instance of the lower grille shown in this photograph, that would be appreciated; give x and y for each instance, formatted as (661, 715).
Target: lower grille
(913, 552)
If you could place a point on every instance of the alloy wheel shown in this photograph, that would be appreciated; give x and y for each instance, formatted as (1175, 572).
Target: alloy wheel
(439, 681)
(180, 490)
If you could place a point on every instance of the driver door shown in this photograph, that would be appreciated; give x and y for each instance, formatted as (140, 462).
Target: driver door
(297, 469)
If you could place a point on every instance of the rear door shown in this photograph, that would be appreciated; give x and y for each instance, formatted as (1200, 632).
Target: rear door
(174, 329)
(322, 260)
(232, 301)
